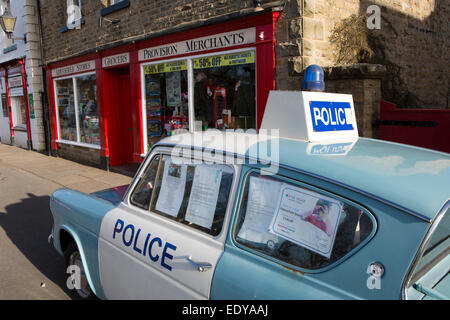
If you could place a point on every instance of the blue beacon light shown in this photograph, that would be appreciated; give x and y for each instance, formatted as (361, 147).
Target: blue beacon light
(313, 79)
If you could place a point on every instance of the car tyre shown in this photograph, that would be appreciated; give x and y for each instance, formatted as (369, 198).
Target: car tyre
(72, 256)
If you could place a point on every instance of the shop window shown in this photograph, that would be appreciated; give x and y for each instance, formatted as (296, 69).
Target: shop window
(298, 226)
(166, 96)
(5, 111)
(65, 104)
(87, 112)
(78, 113)
(223, 87)
(224, 91)
(18, 109)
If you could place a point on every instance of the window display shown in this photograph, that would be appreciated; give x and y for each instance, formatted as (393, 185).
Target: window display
(166, 96)
(5, 105)
(85, 129)
(87, 111)
(19, 111)
(224, 91)
(65, 105)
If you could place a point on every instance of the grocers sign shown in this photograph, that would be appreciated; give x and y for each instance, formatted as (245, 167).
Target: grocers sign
(118, 59)
(217, 41)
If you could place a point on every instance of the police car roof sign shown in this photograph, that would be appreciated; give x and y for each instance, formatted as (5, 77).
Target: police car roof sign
(311, 116)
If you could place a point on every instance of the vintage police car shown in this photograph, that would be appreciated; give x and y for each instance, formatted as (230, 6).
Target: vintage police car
(316, 213)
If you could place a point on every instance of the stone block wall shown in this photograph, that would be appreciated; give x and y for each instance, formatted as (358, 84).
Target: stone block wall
(79, 154)
(141, 17)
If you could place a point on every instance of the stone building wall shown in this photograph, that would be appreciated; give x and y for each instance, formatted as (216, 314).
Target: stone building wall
(141, 17)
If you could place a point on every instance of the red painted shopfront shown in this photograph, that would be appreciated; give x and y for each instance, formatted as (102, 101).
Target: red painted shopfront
(119, 101)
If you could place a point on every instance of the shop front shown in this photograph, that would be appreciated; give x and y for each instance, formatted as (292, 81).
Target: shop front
(111, 106)
(15, 113)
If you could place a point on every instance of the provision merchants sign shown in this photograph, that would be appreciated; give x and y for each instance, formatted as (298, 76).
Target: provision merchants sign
(217, 41)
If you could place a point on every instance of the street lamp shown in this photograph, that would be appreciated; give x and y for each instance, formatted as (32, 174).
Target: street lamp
(8, 22)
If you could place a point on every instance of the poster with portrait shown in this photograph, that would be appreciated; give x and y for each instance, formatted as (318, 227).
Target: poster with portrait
(306, 218)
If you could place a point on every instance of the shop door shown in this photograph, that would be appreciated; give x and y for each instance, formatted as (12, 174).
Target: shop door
(121, 130)
(5, 129)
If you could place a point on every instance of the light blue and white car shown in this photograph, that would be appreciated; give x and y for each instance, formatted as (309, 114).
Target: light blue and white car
(323, 215)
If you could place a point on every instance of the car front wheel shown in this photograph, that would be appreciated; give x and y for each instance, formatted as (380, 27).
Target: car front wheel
(75, 268)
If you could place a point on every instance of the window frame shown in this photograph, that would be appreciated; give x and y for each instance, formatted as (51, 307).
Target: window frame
(190, 79)
(165, 151)
(420, 252)
(282, 176)
(75, 93)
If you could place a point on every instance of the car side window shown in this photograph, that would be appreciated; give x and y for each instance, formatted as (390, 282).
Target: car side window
(296, 225)
(195, 195)
(144, 188)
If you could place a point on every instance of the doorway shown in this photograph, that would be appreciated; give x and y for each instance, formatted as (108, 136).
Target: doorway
(120, 120)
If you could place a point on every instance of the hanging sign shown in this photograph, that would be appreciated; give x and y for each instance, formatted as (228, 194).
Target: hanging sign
(74, 68)
(15, 82)
(217, 41)
(225, 60)
(31, 105)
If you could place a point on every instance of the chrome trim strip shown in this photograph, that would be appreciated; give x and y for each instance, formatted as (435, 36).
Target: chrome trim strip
(343, 185)
(422, 248)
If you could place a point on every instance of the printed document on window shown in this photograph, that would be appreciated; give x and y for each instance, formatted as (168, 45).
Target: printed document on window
(172, 188)
(263, 196)
(204, 194)
(306, 218)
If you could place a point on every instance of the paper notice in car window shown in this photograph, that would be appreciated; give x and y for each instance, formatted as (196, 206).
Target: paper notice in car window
(172, 188)
(263, 196)
(306, 218)
(204, 194)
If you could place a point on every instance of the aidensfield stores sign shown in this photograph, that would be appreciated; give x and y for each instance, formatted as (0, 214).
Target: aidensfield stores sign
(74, 68)
(217, 41)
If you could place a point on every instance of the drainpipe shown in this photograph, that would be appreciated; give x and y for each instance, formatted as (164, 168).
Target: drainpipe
(44, 95)
(9, 107)
(27, 111)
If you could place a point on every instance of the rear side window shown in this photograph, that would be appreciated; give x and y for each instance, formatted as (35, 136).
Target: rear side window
(192, 194)
(296, 225)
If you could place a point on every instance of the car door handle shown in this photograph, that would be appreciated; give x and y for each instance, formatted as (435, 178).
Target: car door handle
(201, 266)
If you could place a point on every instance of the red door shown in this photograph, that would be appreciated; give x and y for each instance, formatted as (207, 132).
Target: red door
(120, 117)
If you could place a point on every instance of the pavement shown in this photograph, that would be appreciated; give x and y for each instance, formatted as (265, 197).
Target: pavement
(30, 268)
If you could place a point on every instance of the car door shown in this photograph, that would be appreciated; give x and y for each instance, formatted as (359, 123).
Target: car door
(165, 239)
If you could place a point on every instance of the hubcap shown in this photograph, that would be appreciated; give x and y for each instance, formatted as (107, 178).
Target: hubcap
(75, 259)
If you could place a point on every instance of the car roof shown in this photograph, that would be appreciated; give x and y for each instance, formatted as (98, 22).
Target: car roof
(414, 179)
